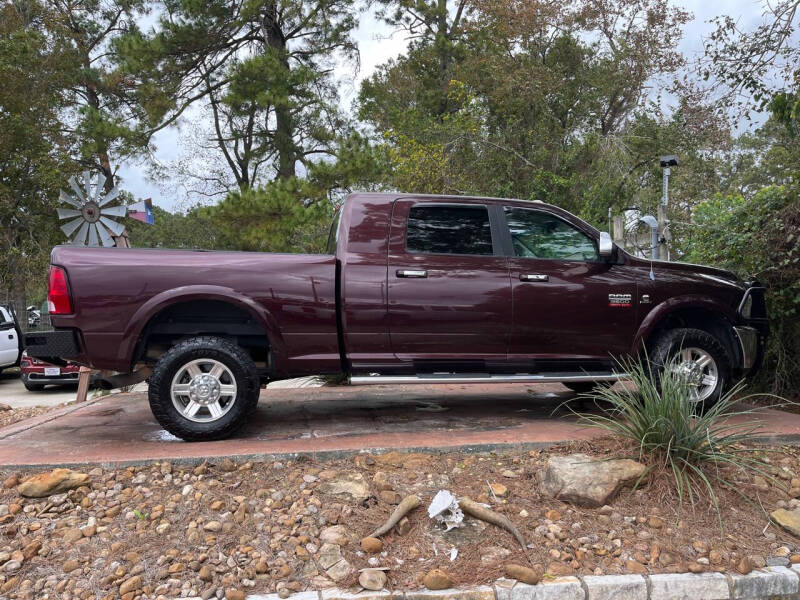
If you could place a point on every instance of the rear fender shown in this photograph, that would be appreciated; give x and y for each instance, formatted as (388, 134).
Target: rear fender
(168, 298)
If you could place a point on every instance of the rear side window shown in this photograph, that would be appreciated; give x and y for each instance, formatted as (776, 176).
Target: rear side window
(537, 234)
(449, 230)
(333, 234)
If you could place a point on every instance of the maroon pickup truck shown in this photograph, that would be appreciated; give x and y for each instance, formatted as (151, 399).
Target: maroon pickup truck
(411, 289)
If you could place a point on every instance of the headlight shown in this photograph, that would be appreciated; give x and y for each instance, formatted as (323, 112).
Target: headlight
(747, 306)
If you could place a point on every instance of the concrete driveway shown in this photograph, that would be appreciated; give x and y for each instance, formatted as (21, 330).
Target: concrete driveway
(13, 393)
(322, 421)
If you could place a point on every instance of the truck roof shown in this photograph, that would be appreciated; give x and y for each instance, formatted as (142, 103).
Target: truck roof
(360, 196)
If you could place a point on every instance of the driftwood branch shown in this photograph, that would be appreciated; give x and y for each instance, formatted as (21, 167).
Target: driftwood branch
(474, 509)
(408, 504)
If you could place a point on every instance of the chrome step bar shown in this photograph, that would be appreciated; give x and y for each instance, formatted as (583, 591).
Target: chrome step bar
(378, 379)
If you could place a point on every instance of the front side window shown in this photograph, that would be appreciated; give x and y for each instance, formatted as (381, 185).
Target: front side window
(538, 234)
(449, 230)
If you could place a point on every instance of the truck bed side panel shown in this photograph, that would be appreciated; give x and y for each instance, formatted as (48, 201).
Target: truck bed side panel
(115, 291)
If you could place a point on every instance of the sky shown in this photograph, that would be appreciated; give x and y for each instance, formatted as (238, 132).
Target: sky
(378, 43)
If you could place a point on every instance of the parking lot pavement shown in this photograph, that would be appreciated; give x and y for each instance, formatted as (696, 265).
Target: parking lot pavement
(13, 393)
(121, 429)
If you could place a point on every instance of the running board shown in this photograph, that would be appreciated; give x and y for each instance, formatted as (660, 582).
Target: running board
(378, 379)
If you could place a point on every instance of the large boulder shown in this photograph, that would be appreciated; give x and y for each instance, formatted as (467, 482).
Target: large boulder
(56, 481)
(586, 481)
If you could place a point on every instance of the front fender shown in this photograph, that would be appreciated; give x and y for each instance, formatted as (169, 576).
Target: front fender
(167, 298)
(661, 311)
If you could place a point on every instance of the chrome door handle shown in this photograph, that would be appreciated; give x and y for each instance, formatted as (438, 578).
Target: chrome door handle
(410, 273)
(533, 277)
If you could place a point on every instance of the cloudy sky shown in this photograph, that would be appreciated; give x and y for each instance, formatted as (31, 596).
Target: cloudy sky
(377, 43)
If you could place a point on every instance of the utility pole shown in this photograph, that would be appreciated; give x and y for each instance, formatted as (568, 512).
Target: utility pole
(668, 161)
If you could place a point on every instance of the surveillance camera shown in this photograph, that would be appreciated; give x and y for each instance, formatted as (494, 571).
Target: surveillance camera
(669, 161)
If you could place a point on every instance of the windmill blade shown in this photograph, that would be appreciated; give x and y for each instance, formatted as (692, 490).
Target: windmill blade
(74, 185)
(93, 239)
(109, 197)
(116, 228)
(87, 184)
(66, 213)
(104, 237)
(80, 238)
(69, 228)
(67, 199)
(115, 211)
(98, 189)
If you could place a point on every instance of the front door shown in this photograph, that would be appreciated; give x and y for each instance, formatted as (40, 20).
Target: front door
(571, 308)
(449, 291)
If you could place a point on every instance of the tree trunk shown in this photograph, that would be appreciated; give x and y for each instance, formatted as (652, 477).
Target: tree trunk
(284, 131)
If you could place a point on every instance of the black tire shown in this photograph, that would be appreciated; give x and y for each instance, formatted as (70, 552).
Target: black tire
(242, 369)
(32, 387)
(671, 342)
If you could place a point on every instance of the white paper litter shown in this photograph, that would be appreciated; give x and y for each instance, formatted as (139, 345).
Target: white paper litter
(453, 554)
(444, 509)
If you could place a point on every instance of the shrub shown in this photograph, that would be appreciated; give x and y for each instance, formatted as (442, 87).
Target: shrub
(700, 449)
(759, 237)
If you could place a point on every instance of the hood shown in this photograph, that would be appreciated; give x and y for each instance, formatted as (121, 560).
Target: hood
(722, 276)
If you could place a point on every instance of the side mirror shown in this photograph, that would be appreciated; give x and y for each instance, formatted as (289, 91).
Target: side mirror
(605, 246)
(6, 325)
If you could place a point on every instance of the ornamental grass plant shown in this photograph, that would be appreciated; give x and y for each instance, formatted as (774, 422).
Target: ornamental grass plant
(701, 448)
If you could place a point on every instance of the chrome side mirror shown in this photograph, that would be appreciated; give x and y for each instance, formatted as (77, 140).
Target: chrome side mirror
(605, 246)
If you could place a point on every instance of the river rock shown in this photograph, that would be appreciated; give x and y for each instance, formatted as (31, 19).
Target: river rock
(54, 482)
(437, 580)
(371, 545)
(585, 481)
(351, 485)
(337, 534)
(372, 579)
(524, 574)
(788, 519)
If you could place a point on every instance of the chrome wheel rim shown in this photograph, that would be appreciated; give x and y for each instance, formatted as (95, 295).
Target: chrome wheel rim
(698, 370)
(203, 390)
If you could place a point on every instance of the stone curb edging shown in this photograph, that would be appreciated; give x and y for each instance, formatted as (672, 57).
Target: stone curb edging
(770, 583)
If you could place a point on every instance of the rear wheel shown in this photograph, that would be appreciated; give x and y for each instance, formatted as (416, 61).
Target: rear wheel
(697, 357)
(204, 388)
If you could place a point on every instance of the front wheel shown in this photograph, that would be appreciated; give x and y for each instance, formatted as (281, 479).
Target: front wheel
(698, 358)
(204, 388)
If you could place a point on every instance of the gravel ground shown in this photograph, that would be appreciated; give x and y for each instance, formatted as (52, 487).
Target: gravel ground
(221, 530)
(9, 416)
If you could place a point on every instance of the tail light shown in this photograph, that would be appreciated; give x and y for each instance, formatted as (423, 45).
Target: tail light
(58, 299)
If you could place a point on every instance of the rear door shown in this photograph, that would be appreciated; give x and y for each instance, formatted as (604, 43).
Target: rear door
(449, 290)
(571, 307)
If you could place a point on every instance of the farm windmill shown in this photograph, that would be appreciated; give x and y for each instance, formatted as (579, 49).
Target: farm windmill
(91, 215)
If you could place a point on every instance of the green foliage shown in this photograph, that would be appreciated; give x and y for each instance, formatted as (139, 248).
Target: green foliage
(540, 101)
(757, 237)
(34, 153)
(194, 229)
(287, 215)
(656, 414)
